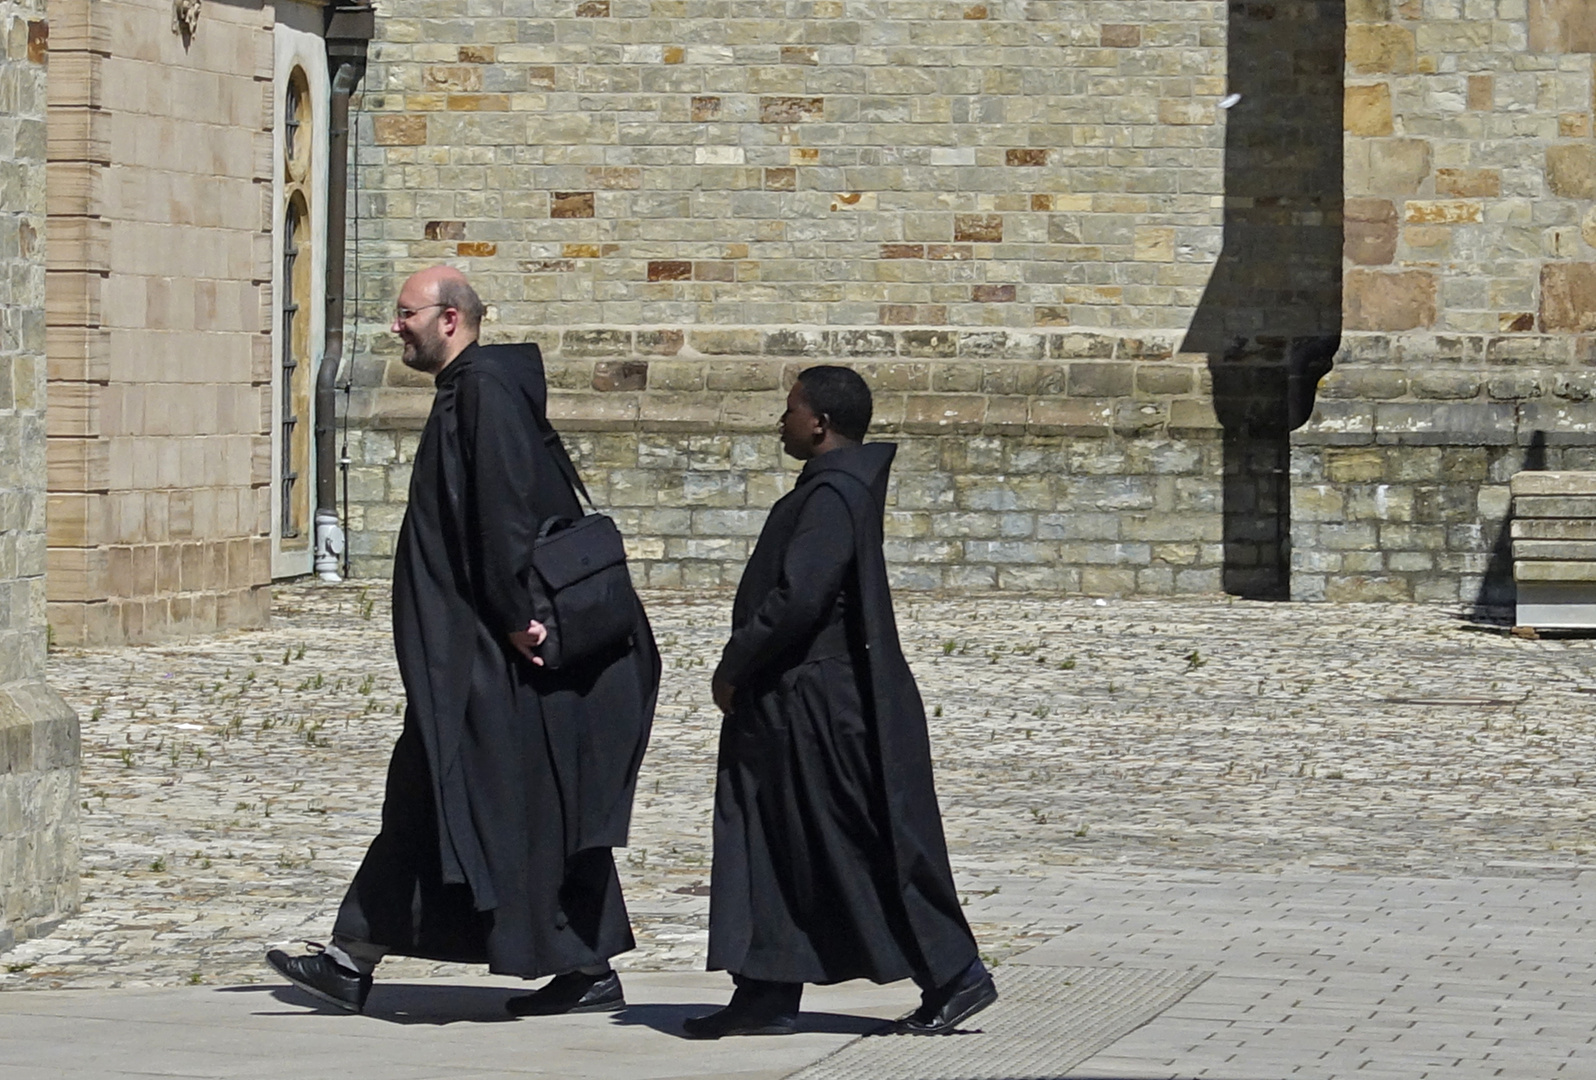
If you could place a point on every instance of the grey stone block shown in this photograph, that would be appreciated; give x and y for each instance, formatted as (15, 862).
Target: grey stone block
(38, 809)
(1553, 483)
(1555, 506)
(1078, 526)
(1555, 550)
(1553, 529)
(1472, 423)
(1549, 570)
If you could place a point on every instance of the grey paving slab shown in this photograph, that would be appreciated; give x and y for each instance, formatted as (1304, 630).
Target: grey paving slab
(1047, 1020)
(1476, 996)
(1301, 799)
(1173, 736)
(413, 1030)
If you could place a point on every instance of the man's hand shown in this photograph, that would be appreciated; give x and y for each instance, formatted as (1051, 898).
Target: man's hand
(525, 641)
(723, 692)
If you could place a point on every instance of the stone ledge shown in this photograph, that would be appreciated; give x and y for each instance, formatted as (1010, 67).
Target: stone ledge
(38, 730)
(1555, 506)
(818, 343)
(1409, 422)
(1552, 529)
(1140, 377)
(1553, 483)
(393, 409)
(1554, 571)
(1084, 396)
(1545, 386)
(1423, 348)
(1564, 551)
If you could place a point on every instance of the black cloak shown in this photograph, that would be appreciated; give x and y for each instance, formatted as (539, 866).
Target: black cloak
(830, 862)
(509, 784)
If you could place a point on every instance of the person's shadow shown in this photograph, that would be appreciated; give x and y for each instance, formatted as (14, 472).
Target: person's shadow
(413, 1003)
(667, 1019)
(403, 1003)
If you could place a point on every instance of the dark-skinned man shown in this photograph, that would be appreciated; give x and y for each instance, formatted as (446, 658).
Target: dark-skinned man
(510, 783)
(829, 858)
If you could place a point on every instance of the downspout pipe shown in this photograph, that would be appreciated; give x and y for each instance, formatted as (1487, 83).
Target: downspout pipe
(349, 30)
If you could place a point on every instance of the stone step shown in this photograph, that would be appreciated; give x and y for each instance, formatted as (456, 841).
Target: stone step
(1553, 529)
(1554, 506)
(1562, 605)
(1556, 550)
(1562, 570)
(1553, 483)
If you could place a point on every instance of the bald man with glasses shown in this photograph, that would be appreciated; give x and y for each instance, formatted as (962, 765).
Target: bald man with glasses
(511, 783)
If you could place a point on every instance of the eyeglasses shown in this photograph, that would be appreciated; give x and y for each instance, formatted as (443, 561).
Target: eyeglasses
(402, 313)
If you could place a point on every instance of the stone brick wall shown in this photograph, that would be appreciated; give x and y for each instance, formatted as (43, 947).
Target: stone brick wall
(667, 163)
(38, 732)
(1003, 216)
(1064, 471)
(674, 199)
(38, 810)
(160, 269)
(1470, 268)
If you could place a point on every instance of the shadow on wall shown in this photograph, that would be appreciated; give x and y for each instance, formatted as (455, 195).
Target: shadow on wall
(1270, 318)
(1497, 591)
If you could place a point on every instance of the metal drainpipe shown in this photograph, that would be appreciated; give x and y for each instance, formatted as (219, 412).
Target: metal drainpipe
(349, 31)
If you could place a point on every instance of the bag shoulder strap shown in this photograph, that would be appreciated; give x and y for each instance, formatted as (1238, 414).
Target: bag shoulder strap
(562, 457)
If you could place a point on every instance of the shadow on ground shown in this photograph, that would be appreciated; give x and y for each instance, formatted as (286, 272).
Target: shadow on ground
(409, 1003)
(405, 1003)
(667, 1019)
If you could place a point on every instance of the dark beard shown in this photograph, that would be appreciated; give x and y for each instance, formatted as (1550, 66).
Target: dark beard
(425, 357)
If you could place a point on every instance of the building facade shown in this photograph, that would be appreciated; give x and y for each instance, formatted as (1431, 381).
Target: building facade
(168, 219)
(1470, 299)
(1096, 259)
(190, 216)
(1158, 297)
(38, 732)
(161, 317)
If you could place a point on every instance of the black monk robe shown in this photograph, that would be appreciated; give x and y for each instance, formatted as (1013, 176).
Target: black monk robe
(830, 862)
(509, 784)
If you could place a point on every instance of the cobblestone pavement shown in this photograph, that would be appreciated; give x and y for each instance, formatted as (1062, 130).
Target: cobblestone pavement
(230, 785)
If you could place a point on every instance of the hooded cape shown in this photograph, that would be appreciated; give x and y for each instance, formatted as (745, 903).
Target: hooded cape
(830, 861)
(509, 784)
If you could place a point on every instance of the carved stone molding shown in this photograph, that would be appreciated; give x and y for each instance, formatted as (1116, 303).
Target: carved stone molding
(185, 19)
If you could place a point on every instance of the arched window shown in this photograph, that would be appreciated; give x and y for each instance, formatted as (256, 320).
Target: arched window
(294, 300)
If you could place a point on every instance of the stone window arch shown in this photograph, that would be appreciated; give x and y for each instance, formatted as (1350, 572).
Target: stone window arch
(294, 302)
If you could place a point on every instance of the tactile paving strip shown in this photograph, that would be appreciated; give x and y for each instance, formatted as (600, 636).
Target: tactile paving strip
(1046, 1021)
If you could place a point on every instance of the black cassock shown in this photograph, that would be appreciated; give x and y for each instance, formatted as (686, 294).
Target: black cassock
(509, 784)
(830, 862)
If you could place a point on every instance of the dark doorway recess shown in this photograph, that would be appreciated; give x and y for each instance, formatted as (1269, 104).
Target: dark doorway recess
(1270, 318)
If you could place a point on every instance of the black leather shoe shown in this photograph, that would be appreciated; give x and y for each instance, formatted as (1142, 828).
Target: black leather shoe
(317, 975)
(756, 1008)
(942, 1010)
(572, 992)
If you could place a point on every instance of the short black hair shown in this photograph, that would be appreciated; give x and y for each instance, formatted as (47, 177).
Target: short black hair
(841, 396)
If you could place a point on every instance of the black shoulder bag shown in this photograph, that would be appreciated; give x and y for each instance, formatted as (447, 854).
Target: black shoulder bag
(581, 563)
